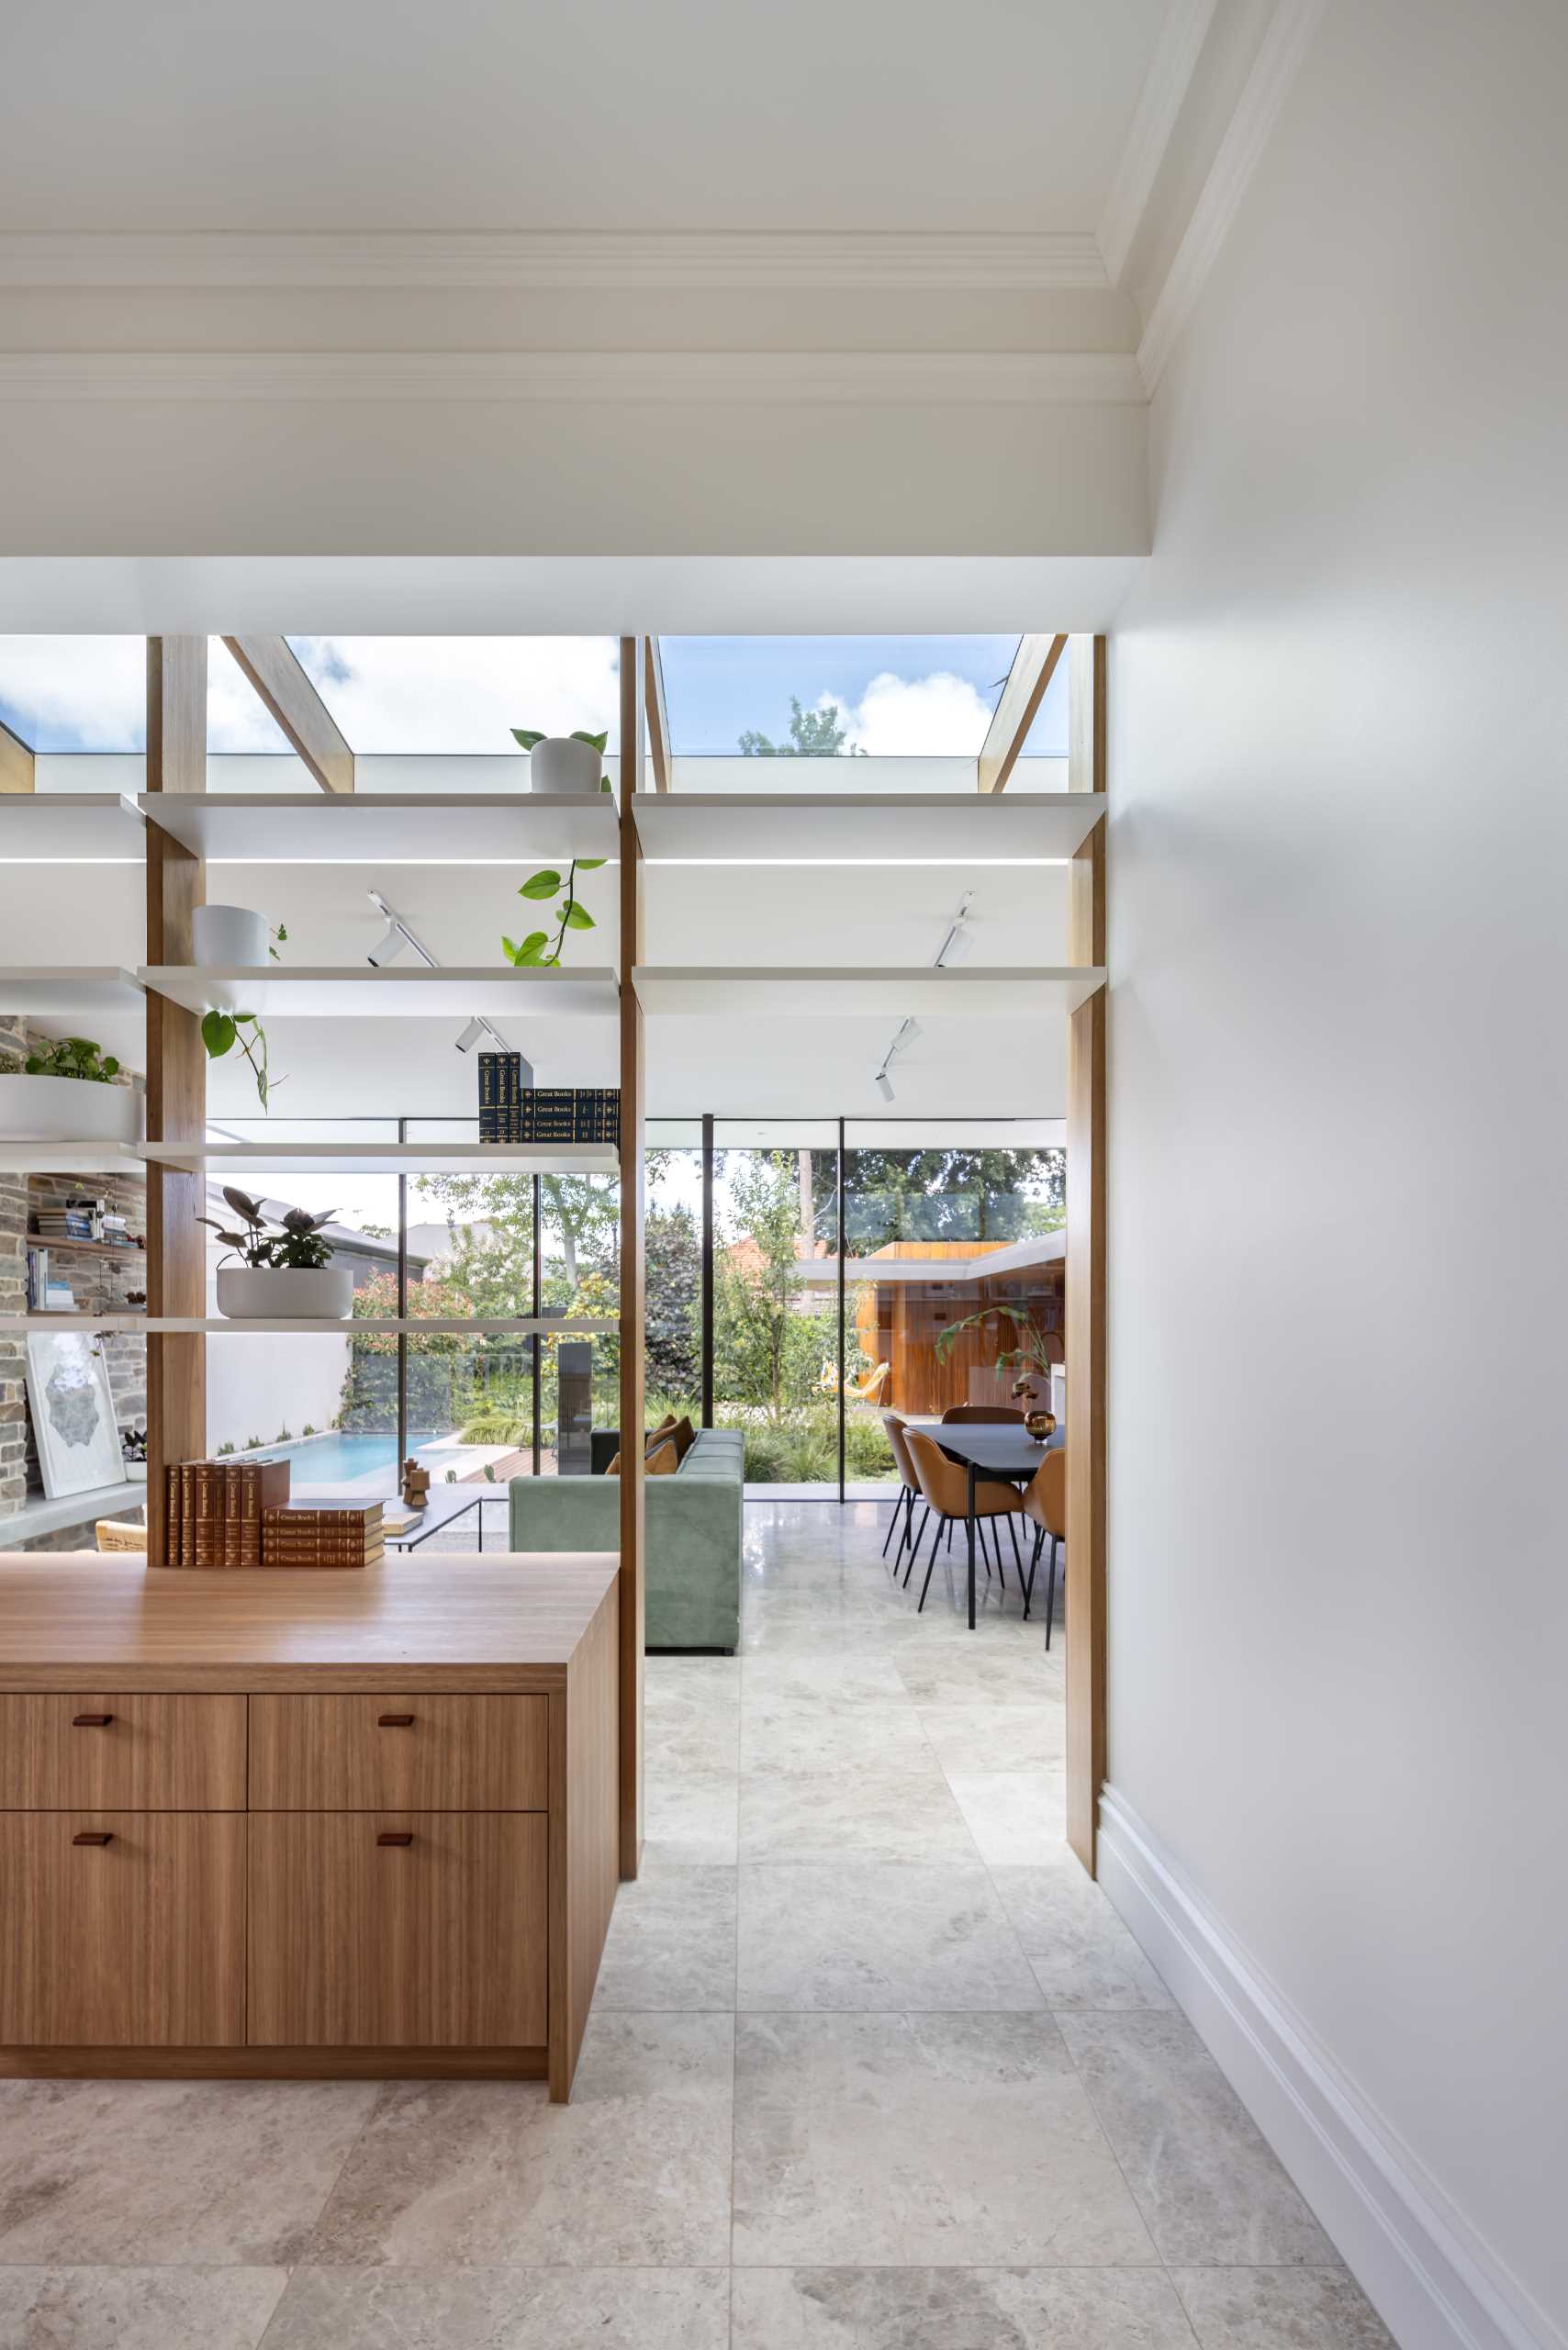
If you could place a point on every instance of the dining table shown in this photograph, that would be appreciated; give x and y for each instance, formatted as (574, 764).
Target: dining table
(991, 1452)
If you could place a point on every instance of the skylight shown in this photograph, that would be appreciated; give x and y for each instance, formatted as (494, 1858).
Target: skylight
(456, 696)
(891, 697)
(61, 694)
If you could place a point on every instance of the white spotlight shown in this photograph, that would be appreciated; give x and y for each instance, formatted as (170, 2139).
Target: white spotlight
(387, 948)
(957, 948)
(884, 1085)
(471, 1035)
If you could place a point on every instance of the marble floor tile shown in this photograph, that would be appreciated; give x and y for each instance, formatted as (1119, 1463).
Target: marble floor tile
(893, 1814)
(973, 1737)
(137, 2309)
(672, 1941)
(1017, 1818)
(690, 1819)
(972, 1668)
(831, 1681)
(171, 2173)
(633, 2173)
(1205, 2180)
(878, 1935)
(1082, 1953)
(1280, 2308)
(515, 2309)
(885, 1733)
(937, 2139)
(956, 2309)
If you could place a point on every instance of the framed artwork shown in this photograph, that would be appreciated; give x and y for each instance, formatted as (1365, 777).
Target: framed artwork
(74, 1413)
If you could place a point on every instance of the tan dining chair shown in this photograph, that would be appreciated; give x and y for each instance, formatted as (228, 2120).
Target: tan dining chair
(945, 1488)
(1045, 1505)
(909, 1488)
(981, 1416)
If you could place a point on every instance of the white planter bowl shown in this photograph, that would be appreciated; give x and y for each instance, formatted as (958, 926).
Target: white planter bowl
(68, 1109)
(559, 764)
(283, 1295)
(228, 938)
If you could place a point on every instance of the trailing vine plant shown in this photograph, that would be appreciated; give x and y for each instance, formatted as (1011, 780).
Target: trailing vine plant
(539, 950)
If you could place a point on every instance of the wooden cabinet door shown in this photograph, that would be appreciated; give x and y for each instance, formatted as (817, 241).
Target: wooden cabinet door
(416, 1751)
(134, 1938)
(436, 1940)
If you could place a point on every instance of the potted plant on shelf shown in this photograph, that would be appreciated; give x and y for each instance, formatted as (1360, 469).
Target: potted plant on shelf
(563, 765)
(285, 1273)
(63, 1090)
(133, 1447)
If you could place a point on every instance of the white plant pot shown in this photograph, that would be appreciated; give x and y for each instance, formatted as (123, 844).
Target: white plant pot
(136, 1472)
(281, 1293)
(68, 1109)
(229, 938)
(560, 765)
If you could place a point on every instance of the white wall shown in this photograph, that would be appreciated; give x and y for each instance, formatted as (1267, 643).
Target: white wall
(1339, 707)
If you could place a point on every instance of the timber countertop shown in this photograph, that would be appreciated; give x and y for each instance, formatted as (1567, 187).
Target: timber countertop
(506, 1622)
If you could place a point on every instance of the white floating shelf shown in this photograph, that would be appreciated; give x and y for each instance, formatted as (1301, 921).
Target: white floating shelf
(956, 828)
(386, 1157)
(387, 828)
(71, 828)
(285, 992)
(69, 991)
(71, 1158)
(789, 995)
(417, 1325)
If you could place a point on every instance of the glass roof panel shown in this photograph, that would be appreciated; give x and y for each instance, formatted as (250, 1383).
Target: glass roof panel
(889, 697)
(462, 695)
(1047, 738)
(74, 693)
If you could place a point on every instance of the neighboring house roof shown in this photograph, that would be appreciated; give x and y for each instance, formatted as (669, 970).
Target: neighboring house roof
(344, 1238)
(986, 1265)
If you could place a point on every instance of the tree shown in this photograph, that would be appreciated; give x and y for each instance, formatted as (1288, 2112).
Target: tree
(673, 1267)
(813, 735)
(767, 1352)
(954, 1194)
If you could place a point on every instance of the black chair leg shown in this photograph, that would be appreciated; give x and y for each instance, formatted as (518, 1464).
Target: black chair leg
(1051, 1592)
(1033, 1563)
(930, 1563)
(914, 1547)
(1013, 1537)
(898, 1512)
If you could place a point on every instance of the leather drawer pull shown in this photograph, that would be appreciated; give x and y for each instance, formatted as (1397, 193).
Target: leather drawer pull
(93, 1836)
(395, 1836)
(394, 1721)
(91, 1721)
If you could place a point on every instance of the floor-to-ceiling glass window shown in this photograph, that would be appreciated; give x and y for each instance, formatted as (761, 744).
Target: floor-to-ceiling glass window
(775, 1354)
(672, 1261)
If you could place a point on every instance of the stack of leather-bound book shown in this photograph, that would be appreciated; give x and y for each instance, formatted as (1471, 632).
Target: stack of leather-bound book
(323, 1534)
(215, 1510)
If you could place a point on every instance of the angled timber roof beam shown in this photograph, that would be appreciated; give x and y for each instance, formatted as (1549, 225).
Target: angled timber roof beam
(15, 762)
(658, 722)
(1033, 669)
(271, 665)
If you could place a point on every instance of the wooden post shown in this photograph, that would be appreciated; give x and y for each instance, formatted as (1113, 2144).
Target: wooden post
(631, 1269)
(16, 767)
(1086, 1274)
(176, 1080)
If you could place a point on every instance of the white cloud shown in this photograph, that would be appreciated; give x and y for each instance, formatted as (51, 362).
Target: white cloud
(462, 694)
(931, 717)
(83, 692)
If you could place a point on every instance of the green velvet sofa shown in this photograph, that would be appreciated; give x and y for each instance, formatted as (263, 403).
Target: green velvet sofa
(693, 1577)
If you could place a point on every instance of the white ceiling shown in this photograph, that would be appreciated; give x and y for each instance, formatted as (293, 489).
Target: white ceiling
(1005, 114)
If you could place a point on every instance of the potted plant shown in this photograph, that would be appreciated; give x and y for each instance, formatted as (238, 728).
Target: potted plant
(232, 938)
(285, 1273)
(563, 765)
(63, 1090)
(133, 1446)
(1033, 1355)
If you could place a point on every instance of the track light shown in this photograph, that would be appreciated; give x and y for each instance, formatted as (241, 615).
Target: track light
(884, 1085)
(471, 1035)
(959, 942)
(387, 948)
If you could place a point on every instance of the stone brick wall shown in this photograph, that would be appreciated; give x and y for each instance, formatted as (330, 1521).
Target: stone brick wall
(101, 1284)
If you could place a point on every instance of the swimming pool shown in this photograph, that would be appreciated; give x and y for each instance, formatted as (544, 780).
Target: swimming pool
(337, 1460)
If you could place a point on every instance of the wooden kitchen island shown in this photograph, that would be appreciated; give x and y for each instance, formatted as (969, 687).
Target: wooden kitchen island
(273, 1823)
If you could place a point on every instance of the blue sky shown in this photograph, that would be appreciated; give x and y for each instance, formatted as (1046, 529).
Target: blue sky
(896, 696)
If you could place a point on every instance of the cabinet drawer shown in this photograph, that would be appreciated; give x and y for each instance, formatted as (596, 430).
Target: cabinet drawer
(134, 1754)
(435, 1942)
(410, 1752)
(133, 1939)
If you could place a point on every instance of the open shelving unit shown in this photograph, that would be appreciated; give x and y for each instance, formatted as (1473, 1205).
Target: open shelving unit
(290, 993)
(865, 828)
(385, 828)
(72, 827)
(386, 1157)
(71, 1158)
(70, 992)
(413, 1325)
(783, 994)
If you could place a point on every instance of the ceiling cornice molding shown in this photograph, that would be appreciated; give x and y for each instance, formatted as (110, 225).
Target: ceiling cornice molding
(1248, 133)
(1020, 261)
(1160, 101)
(876, 379)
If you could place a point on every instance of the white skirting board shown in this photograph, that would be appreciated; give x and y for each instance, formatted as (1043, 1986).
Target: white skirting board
(1433, 2289)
